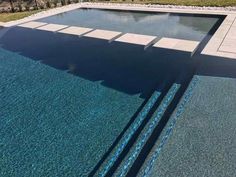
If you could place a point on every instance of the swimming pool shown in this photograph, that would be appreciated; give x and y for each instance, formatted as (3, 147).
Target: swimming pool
(180, 26)
(77, 106)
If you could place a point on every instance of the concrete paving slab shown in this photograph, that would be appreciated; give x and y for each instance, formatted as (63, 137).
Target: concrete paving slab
(103, 34)
(232, 33)
(75, 30)
(136, 39)
(222, 42)
(234, 24)
(2, 24)
(229, 45)
(32, 24)
(177, 44)
(52, 27)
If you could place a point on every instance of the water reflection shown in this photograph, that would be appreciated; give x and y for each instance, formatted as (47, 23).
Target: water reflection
(179, 26)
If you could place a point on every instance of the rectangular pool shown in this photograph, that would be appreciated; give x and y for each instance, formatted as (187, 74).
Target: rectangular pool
(68, 102)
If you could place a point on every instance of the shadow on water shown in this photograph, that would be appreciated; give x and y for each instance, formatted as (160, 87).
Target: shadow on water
(123, 67)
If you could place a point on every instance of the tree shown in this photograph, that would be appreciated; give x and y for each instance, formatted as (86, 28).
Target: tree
(12, 5)
(36, 4)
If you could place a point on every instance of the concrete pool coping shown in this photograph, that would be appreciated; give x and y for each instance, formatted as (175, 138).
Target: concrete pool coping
(177, 44)
(52, 27)
(103, 34)
(32, 24)
(136, 39)
(79, 31)
(221, 44)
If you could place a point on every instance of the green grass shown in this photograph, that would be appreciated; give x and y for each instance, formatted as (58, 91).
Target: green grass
(6, 17)
(217, 3)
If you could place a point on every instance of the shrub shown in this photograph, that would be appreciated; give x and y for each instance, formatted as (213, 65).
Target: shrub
(55, 3)
(63, 2)
(48, 4)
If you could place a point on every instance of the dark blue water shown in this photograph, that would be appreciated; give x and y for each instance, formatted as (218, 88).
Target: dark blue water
(192, 27)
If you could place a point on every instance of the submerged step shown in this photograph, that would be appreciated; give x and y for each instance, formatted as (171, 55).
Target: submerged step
(32, 24)
(103, 34)
(136, 39)
(113, 156)
(74, 30)
(134, 152)
(154, 162)
(177, 44)
(52, 27)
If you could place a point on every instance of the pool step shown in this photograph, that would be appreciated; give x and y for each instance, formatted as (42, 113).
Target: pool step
(116, 152)
(52, 27)
(137, 39)
(78, 31)
(151, 112)
(147, 41)
(32, 24)
(147, 131)
(103, 34)
(177, 44)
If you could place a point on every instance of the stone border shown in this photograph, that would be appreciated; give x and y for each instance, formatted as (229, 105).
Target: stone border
(162, 8)
(212, 48)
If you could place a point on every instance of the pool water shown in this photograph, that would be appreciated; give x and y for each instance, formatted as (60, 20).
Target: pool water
(67, 101)
(180, 26)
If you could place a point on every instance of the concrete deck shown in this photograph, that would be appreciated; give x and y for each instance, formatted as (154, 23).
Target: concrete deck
(177, 44)
(136, 39)
(103, 34)
(52, 27)
(32, 24)
(75, 30)
(223, 42)
(2, 24)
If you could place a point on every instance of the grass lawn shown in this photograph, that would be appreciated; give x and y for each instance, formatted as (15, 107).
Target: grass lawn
(5, 17)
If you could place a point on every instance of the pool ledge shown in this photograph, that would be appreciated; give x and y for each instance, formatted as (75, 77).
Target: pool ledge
(223, 42)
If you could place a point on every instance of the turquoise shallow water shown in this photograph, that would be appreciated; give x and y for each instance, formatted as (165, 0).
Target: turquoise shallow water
(53, 123)
(202, 141)
(199, 139)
